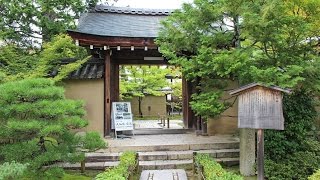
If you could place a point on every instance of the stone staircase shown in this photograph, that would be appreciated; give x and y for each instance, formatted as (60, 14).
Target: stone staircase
(179, 156)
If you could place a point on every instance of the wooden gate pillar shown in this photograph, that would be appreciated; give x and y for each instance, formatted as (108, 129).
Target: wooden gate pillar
(111, 90)
(188, 115)
(107, 94)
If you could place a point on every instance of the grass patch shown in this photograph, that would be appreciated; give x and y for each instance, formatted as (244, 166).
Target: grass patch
(75, 177)
(76, 174)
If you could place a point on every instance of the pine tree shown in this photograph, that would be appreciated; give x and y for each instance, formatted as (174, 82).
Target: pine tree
(37, 124)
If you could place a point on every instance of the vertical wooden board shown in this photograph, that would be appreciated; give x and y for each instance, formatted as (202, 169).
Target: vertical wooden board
(189, 119)
(107, 94)
(260, 154)
(116, 82)
(261, 109)
(184, 102)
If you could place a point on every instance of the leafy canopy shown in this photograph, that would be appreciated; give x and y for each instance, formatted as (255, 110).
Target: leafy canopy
(18, 63)
(137, 81)
(272, 42)
(31, 22)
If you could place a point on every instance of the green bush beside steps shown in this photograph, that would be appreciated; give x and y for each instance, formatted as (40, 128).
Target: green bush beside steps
(128, 163)
(212, 170)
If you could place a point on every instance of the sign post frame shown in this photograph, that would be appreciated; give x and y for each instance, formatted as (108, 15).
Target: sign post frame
(121, 117)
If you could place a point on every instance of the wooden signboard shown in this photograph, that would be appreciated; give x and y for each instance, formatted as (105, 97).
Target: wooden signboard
(122, 116)
(260, 107)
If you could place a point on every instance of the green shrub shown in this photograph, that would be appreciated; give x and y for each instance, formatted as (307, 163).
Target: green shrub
(293, 153)
(122, 171)
(213, 170)
(12, 170)
(37, 126)
(92, 141)
(300, 115)
(315, 176)
(299, 166)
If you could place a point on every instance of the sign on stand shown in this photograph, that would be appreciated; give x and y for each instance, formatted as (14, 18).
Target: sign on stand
(259, 107)
(121, 117)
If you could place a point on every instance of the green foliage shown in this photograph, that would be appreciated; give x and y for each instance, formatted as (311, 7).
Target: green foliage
(36, 123)
(27, 22)
(299, 165)
(293, 153)
(12, 170)
(17, 63)
(315, 176)
(207, 104)
(138, 81)
(299, 114)
(122, 171)
(216, 42)
(92, 141)
(75, 177)
(213, 170)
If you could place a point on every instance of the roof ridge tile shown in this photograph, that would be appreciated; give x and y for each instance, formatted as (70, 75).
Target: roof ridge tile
(129, 10)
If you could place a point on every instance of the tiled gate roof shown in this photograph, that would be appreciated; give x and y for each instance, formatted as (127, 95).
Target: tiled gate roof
(122, 22)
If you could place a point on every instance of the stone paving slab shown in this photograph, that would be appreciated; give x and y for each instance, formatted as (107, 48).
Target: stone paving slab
(174, 174)
(166, 164)
(155, 124)
(171, 142)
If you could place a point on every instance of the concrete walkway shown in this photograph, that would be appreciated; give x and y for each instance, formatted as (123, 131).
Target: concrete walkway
(155, 124)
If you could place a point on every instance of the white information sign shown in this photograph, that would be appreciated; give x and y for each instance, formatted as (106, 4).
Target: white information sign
(122, 116)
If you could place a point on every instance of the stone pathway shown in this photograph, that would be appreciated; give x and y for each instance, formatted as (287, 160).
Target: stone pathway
(169, 139)
(155, 124)
(168, 174)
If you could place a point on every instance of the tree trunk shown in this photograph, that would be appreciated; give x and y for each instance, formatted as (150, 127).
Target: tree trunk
(140, 110)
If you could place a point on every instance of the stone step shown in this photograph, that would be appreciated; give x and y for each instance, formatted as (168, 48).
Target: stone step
(148, 165)
(177, 147)
(163, 155)
(166, 164)
(89, 165)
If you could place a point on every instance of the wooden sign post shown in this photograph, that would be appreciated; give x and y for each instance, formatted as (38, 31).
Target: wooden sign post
(260, 153)
(259, 107)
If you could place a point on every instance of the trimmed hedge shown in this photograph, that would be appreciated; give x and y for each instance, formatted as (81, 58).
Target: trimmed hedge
(213, 170)
(128, 163)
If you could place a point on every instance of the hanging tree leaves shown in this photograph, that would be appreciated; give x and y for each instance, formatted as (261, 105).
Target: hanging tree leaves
(31, 22)
(139, 81)
(215, 42)
(17, 63)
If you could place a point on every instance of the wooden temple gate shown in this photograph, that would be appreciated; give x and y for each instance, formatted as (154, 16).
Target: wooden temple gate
(113, 33)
